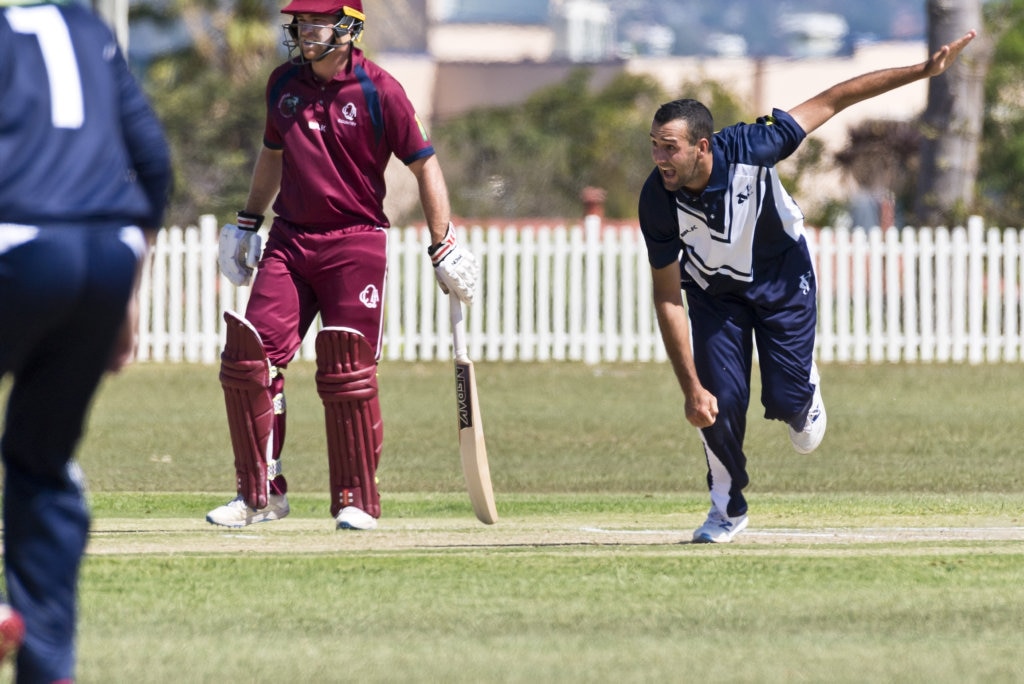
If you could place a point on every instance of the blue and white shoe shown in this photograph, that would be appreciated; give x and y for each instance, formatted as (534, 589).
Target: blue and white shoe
(719, 528)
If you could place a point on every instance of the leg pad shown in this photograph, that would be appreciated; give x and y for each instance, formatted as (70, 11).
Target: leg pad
(245, 375)
(346, 380)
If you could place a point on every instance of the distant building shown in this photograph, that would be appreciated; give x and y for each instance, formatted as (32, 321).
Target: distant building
(490, 12)
(584, 30)
(813, 34)
(526, 30)
(467, 39)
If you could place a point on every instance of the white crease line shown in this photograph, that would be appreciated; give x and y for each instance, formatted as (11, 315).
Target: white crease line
(859, 533)
(601, 530)
(890, 530)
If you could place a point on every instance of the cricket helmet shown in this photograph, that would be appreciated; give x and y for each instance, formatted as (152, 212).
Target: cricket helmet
(349, 19)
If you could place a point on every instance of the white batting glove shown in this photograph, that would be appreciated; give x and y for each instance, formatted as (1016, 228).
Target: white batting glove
(240, 248)
(455, 268)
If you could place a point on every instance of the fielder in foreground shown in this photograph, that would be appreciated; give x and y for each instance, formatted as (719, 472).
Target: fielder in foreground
(720, 227)
(84, 174)
(334, 119)
(472, 446)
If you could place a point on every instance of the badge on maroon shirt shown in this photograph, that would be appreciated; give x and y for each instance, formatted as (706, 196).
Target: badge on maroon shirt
(288, 105)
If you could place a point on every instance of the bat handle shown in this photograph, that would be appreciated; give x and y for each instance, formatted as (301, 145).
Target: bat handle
(458, 328)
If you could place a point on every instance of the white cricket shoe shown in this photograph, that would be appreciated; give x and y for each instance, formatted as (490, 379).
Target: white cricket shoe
(719, 528)
(236, 513)
(807, 440)
(352, 518)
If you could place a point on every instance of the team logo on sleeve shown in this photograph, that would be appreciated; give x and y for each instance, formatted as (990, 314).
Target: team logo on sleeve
(370, 297)
(288, 105)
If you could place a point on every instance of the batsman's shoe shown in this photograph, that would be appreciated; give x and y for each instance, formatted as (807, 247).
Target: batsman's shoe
(807, 440)
(719, 528)
(237, 513)
(352, 518)
(12, 631)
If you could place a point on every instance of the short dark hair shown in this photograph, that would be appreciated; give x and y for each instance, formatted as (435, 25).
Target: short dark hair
(699, 122)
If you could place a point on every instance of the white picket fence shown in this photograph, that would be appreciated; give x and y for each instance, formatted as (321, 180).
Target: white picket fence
(581, 292)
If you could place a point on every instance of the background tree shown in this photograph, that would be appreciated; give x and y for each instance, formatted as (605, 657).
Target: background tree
(881, 158)
(952, 121)
(1001, 176)
(534, 159)
(999, 194)
(210, 99)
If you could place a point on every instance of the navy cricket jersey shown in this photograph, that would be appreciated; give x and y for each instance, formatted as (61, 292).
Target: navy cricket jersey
(337, 138)
(64, 160)
(742, 219)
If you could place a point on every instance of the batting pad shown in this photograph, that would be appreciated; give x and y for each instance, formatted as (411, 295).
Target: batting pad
(245, 376)
(346, 379)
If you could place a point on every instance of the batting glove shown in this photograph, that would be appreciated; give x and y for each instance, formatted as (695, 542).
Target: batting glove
(240, 248)
(455, 268)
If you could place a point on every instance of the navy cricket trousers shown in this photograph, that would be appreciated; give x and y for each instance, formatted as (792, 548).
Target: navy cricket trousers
(778, 312)
(63, 297)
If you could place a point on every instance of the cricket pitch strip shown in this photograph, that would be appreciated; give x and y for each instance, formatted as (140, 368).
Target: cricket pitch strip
(294, 535)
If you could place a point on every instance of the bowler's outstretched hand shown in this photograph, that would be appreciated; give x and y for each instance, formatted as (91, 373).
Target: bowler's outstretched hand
(947, 54)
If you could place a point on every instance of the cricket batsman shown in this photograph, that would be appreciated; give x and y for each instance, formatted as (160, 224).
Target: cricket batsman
(334, 119)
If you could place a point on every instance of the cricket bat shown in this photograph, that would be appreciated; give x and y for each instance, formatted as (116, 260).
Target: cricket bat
(472, 447)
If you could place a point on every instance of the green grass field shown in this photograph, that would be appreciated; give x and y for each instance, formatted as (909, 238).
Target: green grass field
(893, 554)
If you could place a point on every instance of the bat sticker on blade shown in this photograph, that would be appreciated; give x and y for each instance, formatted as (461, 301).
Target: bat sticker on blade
(472, 447)
(463, 396)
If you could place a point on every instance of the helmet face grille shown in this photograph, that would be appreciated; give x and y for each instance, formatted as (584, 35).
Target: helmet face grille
(345, 24)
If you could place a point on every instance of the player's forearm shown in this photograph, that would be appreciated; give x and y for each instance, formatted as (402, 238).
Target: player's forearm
(675, 334)
(433, 197)
(266, 181)
(826, 104)
(872, 84)
(674, 325)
